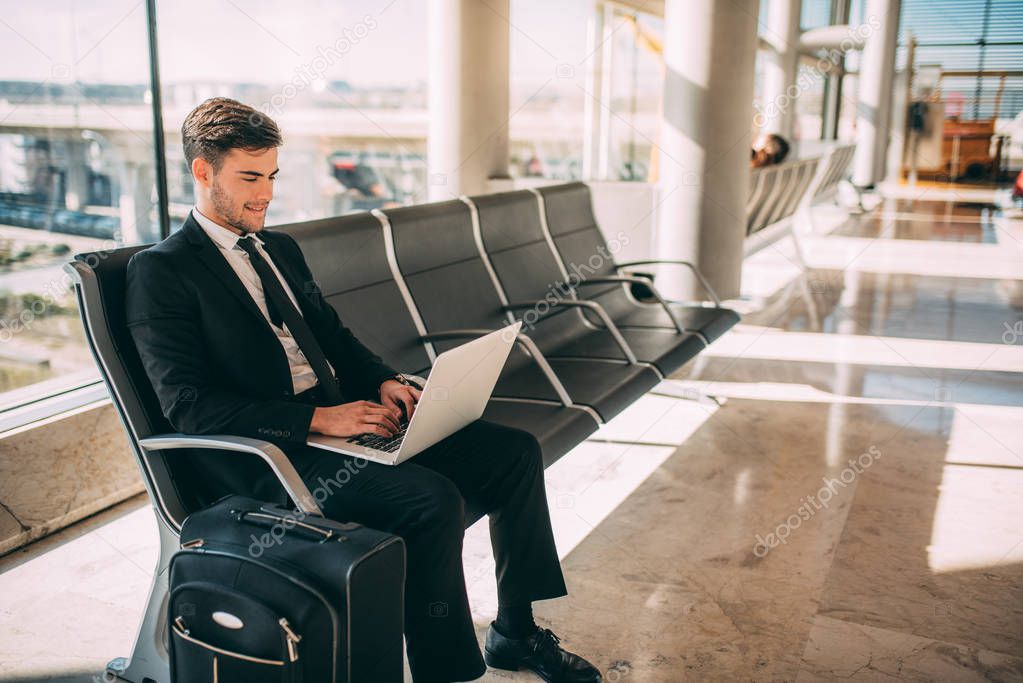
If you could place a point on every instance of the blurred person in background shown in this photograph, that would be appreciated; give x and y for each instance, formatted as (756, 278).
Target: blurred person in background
(772, 150)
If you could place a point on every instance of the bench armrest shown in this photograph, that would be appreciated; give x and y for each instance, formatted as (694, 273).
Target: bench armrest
(675, 262)
(271, 454)
(593, 306)
(522, 340)
(646, 282)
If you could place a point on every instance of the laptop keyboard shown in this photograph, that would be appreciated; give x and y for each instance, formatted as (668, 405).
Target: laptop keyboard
(387, 444)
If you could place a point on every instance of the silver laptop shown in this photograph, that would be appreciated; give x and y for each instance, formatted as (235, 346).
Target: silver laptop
(456, 393)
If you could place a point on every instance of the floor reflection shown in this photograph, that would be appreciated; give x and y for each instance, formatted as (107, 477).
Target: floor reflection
(929, 221)
(894, 305)
(912, 568)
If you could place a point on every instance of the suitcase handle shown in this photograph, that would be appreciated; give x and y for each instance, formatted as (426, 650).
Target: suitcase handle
(270, 520)
(322, 521)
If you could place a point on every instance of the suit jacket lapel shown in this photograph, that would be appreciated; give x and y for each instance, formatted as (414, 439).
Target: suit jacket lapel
(210, 255)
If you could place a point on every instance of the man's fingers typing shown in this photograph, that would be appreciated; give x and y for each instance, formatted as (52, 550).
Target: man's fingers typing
(409, 404)
(373, 428)
(382, 416)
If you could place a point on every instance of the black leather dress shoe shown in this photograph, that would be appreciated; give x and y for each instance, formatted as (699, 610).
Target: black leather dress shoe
(541, 654)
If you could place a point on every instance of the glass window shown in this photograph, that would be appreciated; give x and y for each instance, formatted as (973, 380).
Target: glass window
(585, 91)
(76, 174)
(550, 56)
(969, 36)
(810, 103)
(345, 81)
(637, 85)
(814, 14)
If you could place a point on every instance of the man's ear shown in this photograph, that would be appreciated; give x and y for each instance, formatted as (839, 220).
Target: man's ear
(202, 171)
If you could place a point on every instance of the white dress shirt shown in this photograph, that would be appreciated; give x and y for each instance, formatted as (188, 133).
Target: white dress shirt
(302, 375)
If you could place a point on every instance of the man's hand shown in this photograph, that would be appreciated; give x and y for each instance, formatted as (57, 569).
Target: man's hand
(400, 397)
(359, 417)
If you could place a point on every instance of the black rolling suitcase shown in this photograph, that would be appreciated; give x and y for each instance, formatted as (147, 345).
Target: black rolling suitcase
(260, 593)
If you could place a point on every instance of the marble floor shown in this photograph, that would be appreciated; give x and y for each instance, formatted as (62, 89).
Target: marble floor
(832, 492)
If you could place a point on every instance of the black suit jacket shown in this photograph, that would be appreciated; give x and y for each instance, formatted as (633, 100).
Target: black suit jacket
(212, 357)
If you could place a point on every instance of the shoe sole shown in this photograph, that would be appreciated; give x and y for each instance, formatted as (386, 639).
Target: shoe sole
(499, 663)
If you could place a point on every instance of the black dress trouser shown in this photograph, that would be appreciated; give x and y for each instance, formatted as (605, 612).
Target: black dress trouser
(484, 467)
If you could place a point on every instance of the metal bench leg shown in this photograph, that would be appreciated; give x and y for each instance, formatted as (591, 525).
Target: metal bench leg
(149, 662)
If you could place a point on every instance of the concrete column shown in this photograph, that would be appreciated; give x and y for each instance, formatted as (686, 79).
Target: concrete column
(136, 204)
(709, 55)
(891, 162)
(891, 39)
(591, 117)
(467, 139)
(877, 66)
(781, 66)
(597, 107)
(76, 174)
(832, 105)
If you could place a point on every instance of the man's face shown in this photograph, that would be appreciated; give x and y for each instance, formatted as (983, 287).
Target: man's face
(239, 193)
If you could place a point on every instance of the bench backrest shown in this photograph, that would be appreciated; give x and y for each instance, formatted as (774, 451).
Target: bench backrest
(347, 256)
(568, 210)
(100, 284)
(447, 280)
(437, 258)
(776, 192)
(836, 170)
(516, 246)
(581, 245)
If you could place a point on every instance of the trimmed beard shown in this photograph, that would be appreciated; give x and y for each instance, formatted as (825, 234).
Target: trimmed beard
(222, 205)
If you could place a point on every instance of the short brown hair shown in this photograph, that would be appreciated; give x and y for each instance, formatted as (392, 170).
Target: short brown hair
(776, 147)
(221, 124)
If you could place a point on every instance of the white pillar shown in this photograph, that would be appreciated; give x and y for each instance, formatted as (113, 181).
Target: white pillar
(781, 66)
(891, 39)
(877, 66)
(467, 139)
(136, 204)
(594, 81)
(891, 162)
(832, 104)
(76, 176)
(597, 108)
(709, 55)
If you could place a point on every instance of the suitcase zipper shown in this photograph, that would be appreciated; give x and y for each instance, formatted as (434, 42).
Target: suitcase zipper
(212, 547)
(335, 621)
(292, 638)
(182, 632)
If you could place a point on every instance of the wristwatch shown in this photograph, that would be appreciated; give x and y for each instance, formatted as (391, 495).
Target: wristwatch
(402, 379)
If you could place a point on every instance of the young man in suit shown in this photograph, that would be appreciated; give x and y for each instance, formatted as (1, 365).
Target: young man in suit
(237, 339)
